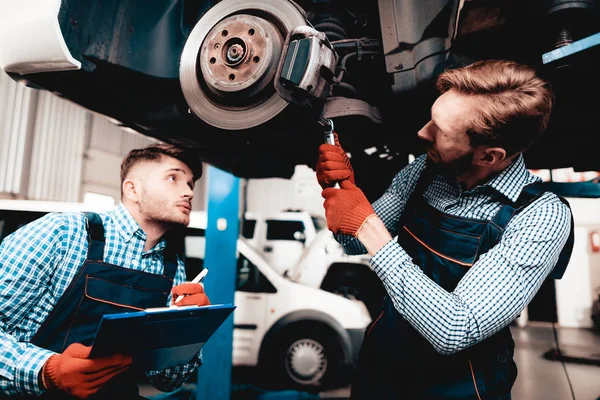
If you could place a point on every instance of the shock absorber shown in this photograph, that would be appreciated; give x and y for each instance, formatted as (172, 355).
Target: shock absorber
(334, 29)
(332, 26)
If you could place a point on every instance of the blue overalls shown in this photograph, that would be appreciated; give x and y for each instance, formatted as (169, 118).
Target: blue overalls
(101, 288)
(396, 361)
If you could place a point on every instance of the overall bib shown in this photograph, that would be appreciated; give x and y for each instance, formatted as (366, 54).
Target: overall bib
(396, 361)
(101, 288)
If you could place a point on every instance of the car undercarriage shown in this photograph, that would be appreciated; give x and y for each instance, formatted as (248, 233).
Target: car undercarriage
(200, 74)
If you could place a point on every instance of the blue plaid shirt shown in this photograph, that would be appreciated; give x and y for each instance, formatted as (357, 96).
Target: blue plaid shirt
(38, 262)
(498, 286)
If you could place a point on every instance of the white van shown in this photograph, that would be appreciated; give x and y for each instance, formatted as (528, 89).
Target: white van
(299, 337)
(296, 244)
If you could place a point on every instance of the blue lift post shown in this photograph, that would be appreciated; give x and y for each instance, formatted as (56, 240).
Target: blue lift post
(222, 231)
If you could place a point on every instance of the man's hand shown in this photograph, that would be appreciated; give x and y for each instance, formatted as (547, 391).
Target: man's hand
(193, 295)
(72, 372)
(346, 209)
(333, 165)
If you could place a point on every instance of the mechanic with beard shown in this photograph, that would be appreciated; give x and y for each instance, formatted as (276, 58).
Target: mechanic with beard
(60, 273)
(461, 239)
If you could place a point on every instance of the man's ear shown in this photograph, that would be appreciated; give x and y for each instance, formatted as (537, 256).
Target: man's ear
(490, 156)
(131, 189)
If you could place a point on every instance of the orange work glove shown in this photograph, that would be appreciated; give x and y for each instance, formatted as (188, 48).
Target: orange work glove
(333, 165)
(346, 208)
(72, 372)
(193, 295)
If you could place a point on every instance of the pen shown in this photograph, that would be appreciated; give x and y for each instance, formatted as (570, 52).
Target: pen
(197, 279)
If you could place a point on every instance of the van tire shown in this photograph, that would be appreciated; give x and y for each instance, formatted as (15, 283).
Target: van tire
(356, 281)
(306, 357)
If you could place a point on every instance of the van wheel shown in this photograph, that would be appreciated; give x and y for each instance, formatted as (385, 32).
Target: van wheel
(356, 283)
(306, 358)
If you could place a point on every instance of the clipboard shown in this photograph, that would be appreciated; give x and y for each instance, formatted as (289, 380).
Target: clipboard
(159, 338)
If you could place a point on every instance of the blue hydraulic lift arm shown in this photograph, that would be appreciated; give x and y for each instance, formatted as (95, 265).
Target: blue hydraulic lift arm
(222, 231)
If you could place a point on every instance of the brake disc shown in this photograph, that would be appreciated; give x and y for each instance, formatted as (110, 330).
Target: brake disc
(229, 61)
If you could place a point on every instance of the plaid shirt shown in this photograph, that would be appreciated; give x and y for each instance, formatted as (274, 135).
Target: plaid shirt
(498, 286)
(38, 263)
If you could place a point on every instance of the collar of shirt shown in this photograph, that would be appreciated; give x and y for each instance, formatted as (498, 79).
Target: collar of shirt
(128, 227)
(510, 181)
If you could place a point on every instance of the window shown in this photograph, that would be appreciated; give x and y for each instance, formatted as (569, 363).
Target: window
(283, 230)
(250, 279)
(248, 227)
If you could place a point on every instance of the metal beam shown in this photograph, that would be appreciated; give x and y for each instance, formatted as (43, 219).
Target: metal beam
(214, 376)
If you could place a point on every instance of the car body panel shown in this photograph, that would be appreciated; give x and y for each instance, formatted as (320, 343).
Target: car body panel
(31, 38)
(265, 310)
(391, 51)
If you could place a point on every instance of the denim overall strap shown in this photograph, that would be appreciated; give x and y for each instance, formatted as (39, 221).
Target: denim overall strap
(95, 230)
(96, 245)
(529, 194)
(444, 247)
(101, 288)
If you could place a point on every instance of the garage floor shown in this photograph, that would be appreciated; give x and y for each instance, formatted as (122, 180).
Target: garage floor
(539, 378)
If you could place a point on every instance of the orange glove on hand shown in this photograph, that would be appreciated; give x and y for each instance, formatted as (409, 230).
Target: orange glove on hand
(193, 295)
(72, 372)
(333, 165)
(346, 208)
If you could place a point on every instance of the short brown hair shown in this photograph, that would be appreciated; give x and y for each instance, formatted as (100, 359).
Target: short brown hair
(155, 152)
(515, 102)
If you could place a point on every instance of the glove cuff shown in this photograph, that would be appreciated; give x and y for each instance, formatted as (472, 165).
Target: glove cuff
(49, 373)
(363, 224)
(355, 221)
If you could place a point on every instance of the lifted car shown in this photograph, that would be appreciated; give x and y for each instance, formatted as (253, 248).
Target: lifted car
(203, 74)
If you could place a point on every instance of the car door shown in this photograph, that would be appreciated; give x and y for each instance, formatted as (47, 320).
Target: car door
(284, 243)
(250, 316)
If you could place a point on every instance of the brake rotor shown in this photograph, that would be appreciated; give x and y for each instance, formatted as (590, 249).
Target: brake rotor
(229, 62)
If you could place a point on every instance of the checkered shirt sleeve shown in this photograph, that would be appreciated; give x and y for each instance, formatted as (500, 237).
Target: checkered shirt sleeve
(497, 287)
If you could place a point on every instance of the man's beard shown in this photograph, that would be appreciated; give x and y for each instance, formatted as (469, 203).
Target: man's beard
(457, 167)
(159, 212)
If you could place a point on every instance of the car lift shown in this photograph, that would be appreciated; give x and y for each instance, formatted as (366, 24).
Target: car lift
(222, 230)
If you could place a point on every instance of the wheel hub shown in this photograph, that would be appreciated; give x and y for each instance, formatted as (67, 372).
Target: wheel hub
(230, 59)
(240, 55)
(306, 362)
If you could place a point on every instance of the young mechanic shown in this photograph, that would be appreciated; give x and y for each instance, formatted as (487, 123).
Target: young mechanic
(460, 239)
(55, 286)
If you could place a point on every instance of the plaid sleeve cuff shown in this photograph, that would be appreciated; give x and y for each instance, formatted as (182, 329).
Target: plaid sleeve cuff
(351, 245)
(390, 264)
(171, 379)
(27, 370)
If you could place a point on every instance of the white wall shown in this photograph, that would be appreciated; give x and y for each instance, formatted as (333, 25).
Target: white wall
(17, 104)
(53, 149)
(302, 191)
(576, 291)
(41, 143)
(108, 145)
(57, 150)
